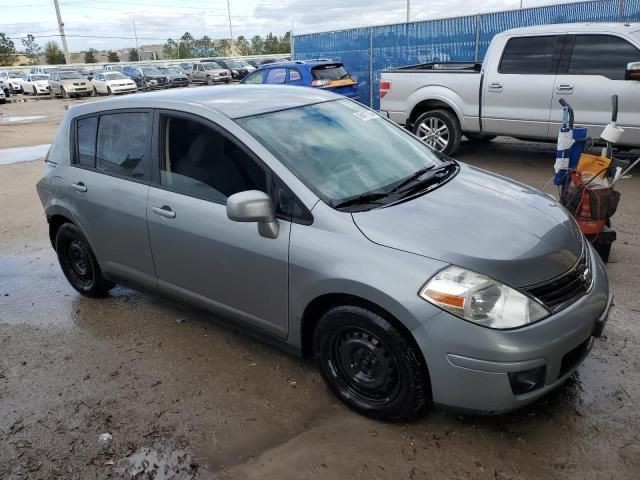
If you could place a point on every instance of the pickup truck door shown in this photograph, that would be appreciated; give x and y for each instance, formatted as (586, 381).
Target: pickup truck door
(591, 71)
(518, 86)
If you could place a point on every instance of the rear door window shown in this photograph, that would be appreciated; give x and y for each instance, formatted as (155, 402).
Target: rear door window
(122, 144)
(277, 75)
(604, 55)
(529, 55)
(294, 75)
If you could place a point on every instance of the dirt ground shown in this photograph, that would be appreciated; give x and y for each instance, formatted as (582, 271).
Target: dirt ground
(177, 388)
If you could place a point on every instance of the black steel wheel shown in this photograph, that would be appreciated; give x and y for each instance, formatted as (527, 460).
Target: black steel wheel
(79, 264)
(370, 365)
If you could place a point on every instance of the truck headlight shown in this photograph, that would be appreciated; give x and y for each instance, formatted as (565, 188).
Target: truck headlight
(481, 300)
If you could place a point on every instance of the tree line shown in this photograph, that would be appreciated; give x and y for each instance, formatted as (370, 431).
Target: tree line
(187, 46)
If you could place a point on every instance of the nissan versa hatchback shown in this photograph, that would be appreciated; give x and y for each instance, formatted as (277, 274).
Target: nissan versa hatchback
(318, 224)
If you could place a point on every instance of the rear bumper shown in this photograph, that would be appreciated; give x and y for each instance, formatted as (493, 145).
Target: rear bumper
(469, 365)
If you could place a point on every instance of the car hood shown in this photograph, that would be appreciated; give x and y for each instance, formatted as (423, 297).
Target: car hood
(71, 81)
(483, 222)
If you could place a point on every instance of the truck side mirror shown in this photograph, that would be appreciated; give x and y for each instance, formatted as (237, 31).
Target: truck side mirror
(633, 71)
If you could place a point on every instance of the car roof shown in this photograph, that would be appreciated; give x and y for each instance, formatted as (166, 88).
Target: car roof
(623, 28)
(298, 63)
(234, 101)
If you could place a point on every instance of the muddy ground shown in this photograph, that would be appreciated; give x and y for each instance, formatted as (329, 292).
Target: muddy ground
(174, 386)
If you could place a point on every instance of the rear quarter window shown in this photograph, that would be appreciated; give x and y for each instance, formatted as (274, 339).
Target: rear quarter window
(86, 130)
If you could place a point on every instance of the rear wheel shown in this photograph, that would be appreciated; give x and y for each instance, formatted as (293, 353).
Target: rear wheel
(369, 364)
(440, 129)
(79, 264)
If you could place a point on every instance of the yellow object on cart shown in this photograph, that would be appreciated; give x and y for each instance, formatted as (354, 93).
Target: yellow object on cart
(594, 164)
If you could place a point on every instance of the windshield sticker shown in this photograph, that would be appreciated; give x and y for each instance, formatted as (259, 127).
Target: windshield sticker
(366, 115)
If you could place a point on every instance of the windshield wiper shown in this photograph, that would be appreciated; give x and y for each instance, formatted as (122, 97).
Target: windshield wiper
(364, 199)
(422, 177)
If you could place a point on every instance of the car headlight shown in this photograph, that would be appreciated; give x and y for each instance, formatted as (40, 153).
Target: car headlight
(481, 300)
(235, 72)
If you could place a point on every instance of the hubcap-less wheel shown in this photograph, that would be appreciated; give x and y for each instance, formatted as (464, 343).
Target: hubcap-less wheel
(434, 132)
(35, 92)
(364, 364)
(79, 262)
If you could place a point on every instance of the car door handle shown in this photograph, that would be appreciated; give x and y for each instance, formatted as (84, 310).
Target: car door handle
(79, 186)
(495, 86)
(564, 87)
(164, 211)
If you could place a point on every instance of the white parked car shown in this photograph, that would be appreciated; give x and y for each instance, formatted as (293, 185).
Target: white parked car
(12, 79)
(113, 82)
(35, 84)
(3, 99)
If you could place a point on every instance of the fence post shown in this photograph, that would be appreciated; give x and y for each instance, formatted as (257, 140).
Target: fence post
(621, 10)
(371, 75)
(475, 55)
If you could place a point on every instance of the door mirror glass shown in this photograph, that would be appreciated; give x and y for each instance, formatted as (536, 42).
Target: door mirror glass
(633, 71)
(254, 206)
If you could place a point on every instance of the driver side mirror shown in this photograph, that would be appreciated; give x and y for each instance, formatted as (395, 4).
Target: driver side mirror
(254, 206)
(633, 71)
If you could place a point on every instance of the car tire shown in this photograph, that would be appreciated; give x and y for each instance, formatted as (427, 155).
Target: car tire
(63, 93)
(440, 129)
(227, 81)
(109, 92)
(390, 380)
(35, 92)
(79, 264)
(210, 81)
(479, 137)
(95, 92)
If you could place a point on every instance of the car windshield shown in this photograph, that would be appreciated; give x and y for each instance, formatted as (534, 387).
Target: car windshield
(49, 70)
(172, 71)
(211, 66)
(341, 150)
(39, 77)
(69, 75)
(233, 64)
(16, 74)
(329, 72)
(151, 71)
(115, 76)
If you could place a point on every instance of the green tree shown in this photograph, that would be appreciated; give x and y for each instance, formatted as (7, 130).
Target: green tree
(224, 48)
(90, 56)
(271, 44)
(134, 56)
(31, 49)
(257, 45)
(170, 49)
(243, 46)
(112, 56)
(285, 43)
(185, 45)
(7, 50)
(53, 54)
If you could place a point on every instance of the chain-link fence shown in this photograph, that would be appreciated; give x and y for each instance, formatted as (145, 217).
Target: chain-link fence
(365, 52)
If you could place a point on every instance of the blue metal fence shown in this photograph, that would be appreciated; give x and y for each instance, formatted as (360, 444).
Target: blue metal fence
(367, 51)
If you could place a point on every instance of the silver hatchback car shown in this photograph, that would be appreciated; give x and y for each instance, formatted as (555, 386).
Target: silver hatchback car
(324, 227)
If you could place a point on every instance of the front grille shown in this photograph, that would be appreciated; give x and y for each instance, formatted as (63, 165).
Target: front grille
(574, 357)
(562, 291)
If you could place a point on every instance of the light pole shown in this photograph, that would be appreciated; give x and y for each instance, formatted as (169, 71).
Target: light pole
(230, 28)
(63, 38)
(408, 10)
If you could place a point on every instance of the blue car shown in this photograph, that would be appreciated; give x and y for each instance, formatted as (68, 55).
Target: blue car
(324, 74)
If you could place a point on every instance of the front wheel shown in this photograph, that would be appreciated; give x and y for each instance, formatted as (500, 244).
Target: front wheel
(210, 81)
(35, 92)
(79, 264)
(64, 93)
(109, 92)
(370, 365)
(440, 129)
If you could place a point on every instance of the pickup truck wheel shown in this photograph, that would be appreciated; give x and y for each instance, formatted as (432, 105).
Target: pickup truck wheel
(210, 81)
(440, 129)
(369, 364)
(479, 137)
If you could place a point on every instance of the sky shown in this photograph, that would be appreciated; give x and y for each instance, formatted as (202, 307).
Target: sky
(157, 20)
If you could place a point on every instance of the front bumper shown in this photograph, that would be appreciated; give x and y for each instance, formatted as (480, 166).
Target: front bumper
(469, 365)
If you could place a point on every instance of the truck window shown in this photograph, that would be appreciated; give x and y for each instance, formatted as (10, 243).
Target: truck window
(528, 55)
(604, 55)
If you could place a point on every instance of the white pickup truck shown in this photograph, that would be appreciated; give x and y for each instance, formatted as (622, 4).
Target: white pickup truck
(515, 91)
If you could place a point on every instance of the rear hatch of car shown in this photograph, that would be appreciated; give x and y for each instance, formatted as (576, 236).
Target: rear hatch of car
(334, 77)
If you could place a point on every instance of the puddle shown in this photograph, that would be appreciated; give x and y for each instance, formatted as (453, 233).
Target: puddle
(19, 119)
(23, 154)
(159, 464)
